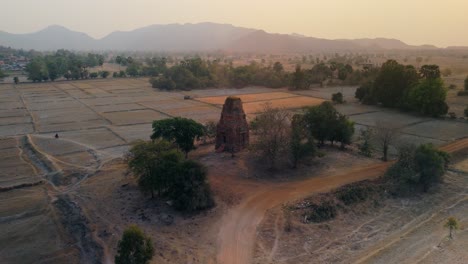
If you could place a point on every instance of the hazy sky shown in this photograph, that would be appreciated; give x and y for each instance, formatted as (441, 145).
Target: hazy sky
(414, 21)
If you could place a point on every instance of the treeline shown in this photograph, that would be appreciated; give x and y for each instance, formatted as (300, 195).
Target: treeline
(197, 73)
(406, 88)
(64, 64)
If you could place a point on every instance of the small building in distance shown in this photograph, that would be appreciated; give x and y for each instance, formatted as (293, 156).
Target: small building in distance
(232, 131)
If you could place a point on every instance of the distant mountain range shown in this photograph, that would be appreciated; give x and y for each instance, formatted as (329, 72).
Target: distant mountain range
(194, 37)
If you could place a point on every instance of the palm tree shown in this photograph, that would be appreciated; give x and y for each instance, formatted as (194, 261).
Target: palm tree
(452, 224)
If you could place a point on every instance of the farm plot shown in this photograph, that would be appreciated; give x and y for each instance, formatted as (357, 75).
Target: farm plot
(289, 103)
(388, 117)
(16, 129)
(439, 129)
(92, 138)
(227, 91)
(15, 170)
(326, 93)
(118, 107)
(246, 98)
(133, 117)
(31, 235)
(132, 133)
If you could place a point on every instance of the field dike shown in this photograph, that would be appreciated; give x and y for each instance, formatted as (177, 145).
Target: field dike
(76, 224)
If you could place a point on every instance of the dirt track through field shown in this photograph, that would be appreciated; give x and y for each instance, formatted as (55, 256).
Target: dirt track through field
(238, 226)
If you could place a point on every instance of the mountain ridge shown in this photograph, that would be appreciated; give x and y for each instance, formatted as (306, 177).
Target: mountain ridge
(204, 36)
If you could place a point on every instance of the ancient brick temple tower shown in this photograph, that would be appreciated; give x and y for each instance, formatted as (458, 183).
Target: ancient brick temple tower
(232, 132)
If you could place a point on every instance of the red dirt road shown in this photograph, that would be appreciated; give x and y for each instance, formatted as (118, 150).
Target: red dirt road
(238, 226)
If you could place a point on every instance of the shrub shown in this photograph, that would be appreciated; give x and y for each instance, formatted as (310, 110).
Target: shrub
(321, 212)
(190, 191)
(134, 247)
(352, 194)
(466, 111)
(337, 98)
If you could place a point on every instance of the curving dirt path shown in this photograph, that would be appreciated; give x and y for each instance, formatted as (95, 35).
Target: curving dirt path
(238, 227)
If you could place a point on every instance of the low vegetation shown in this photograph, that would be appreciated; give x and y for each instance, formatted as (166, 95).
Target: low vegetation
(134, 248)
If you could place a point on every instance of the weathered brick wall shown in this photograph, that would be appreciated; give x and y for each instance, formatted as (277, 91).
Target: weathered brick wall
(232, 133)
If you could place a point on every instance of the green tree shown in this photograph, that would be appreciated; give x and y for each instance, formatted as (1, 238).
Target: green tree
(452, 224)
(104, 74)
(431, 165)
(430, 71)
(163, 83)
(278, 67)
(393, 83)
(134, 248)
(298, 79)
(428, 97)
(16, 80)
(365, 147)
(321, 121)
(154, 163)
(37, 70)
(337, 98)
(302, 144)
(344, 131)
(133, 69)
(182, 131)
(190, 191)
(466, 111)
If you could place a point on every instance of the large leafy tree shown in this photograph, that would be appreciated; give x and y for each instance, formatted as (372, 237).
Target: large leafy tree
(134, 248)
(428, 97)
(154, 163)
(182, 131)
(302, 143)
(430, 71)
(324, 123)
(190, 191)
(431, 165)
(393, 83)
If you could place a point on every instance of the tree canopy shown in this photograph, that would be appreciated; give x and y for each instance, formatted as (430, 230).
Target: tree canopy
(326, 124)
(182, 131)
(403, 87)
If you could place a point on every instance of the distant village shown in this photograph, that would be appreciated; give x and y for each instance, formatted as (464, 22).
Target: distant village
(13, 63)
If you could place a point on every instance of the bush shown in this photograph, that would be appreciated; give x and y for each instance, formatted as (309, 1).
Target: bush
(134, 247)
(420, 167)
(163, 83)
(337, 98)
(321, 212)
(190, 191)
(466, 111)
(352, 194)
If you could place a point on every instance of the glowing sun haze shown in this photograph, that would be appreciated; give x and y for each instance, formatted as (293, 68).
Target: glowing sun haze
(441, 23)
